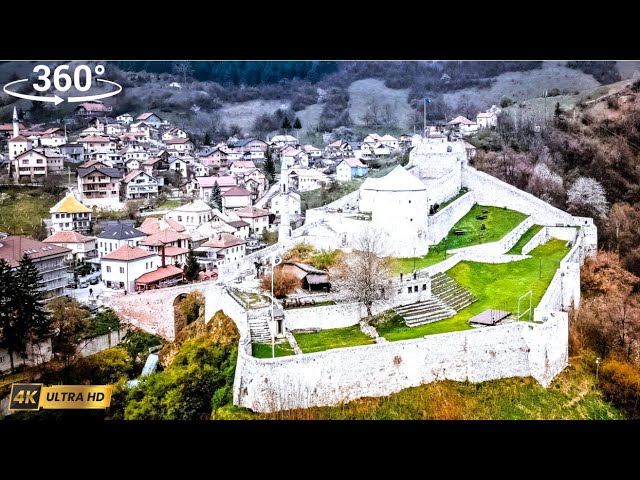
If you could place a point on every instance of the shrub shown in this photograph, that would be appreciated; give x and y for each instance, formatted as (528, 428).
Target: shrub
(620, 384)
(104, 368)
(299, 252)
(283, 283)
(505, 102)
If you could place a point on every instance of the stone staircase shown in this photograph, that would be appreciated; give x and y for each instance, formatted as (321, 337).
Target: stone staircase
(450, 292)
(424, 312)
(259, 328)
(448, 298)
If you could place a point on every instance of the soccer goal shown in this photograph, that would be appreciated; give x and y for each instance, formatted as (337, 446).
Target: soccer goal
(529, 310)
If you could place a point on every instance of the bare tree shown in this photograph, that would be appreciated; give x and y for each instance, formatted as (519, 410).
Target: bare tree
(546, 184)
(371, 116)
(387, 115)
(183, 68)
(365, 274)
(587, 197)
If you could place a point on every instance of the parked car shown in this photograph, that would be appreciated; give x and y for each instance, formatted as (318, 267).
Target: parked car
(83, 284)
(94, 280)
(72, 285)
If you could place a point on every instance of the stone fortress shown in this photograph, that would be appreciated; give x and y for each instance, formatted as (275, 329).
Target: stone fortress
(398, 205)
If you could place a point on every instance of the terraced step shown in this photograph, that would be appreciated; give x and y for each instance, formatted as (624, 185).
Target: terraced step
(424, 312)
(259, 328)
(450, 292)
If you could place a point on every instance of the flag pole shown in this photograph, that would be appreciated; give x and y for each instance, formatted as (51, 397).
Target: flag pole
(424, 108)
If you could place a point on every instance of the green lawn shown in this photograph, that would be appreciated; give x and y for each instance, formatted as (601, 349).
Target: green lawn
(331, 193)
(263, 350)
(494, 285)
(405, 265)
(21, 209)
(528, 235)
(499, 222)
(333, 338)
(170, 204)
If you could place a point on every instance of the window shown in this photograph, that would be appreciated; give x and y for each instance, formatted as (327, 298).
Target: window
(108, 269)
(151, 264)
(121, 269)
(424, 286)
(39, 161)
(415, 289)
(179, 218)
(408, 289)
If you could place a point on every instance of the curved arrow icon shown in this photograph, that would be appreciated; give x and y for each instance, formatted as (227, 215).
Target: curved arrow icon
(96, 97)
(55, 99)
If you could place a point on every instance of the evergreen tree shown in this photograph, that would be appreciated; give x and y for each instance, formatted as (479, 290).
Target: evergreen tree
(216, 197)
(191, 267)
(25, 320)
(297, 124)
(207, 139)
(558, 111)
(286, 125)
(7, 291)
(269, 166)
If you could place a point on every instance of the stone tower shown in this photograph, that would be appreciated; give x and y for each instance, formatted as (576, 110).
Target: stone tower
(16, 123)
(284, 232)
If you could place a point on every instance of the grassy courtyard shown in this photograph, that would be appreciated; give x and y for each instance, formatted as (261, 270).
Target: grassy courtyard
(332, 338)
(524, 239)
(498, 223)
(21, 209)
(263, 350)
(494, 285)
(405, 265)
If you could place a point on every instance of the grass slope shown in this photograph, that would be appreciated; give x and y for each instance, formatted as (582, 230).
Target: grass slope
(263, 350)
(362, 91)
(524, 239)
(499, 222)
(332, 338)
(494, 285)
(23, 209)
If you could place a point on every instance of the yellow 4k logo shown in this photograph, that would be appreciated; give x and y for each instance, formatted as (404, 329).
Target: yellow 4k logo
(25, 396)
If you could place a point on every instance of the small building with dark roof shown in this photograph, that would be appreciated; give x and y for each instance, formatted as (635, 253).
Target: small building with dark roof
(311, 278)
(116, 235)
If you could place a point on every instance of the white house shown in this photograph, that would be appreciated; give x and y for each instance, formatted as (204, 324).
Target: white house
(181, 146)
(390, 141)
(276, 203)
(178, 165)
(306, 179)
(281, 141)
(125, 118)
(204, 185)
(312, 151)
(123, 266)
(18, 145)
(191, 215)
(488, 119)
(174, 132)
(224, 249)
(117, 235)
(240, 167)
(139, 184)
(349, 168)
(69, 214)
(81, 247)
(175, 85)
(464, 125)
(294, 157)
(257, 218)
(200, 170)
(236, 197)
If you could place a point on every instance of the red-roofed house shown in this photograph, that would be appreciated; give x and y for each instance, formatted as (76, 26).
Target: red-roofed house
(463, 125)
(149, 117)
(204, 185)
(470, 149)
(236, 197)
(95, 107)
(221, 249)
(349, 168)
(240, 167)
(257, 218)
(139, 184)
(166, 276)
(123, 266)
(81, 246)
(181, 146)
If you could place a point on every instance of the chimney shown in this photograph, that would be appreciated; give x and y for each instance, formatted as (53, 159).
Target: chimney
(163, 257)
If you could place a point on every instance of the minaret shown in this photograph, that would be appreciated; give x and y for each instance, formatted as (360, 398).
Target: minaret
(16, 123)
(284, 232)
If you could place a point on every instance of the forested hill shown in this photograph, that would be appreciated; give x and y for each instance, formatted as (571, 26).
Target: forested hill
(248, 73)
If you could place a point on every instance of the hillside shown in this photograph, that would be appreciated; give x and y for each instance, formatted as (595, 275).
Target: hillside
(202, 105)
